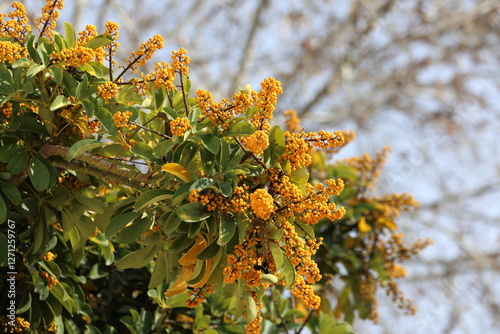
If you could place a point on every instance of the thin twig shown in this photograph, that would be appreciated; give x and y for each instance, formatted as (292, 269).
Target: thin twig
(305, 322)
(184, 94)
(276, 306)
(151, 130)
(256, 158)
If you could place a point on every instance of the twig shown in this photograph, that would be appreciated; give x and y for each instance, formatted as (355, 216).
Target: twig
(151, 130)
(256, 158)
(276, 306)
(183, 94)
(305, 322)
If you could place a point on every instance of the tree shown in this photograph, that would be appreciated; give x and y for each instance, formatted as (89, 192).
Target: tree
(128, 203)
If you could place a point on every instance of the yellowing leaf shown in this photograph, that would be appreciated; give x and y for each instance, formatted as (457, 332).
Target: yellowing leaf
(177, 170)
(387, 223)
(363, 226)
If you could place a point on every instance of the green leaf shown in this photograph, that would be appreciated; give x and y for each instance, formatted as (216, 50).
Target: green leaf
(181, 243)
(60, 101)
(173, 221)
(39, 174)
(193, 212)
(22, 63)
(251, 308)
(58, 74)
(137, 259)
(277, 254)
(29, 124)
(289, 272)
(152, 196)
(209, 252)
(89, 329)
(70, 34)
(227, 230)
(83, 146)
(210, 142)
(11, 192)
(163, 148)
(34, 70)
(8, 152)
(276, 143)
(18, 163)
(132, 232)
(300, 175)
(107, 120)
(98, 41)
(118, 222)
(160, 269)
(240, 129)
(145, 151)
(3, 211)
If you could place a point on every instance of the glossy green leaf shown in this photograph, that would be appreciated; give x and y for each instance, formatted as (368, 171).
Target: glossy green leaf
(152, 196)
(251, 308)
(144, 150)
(210, 142)
(276, 143)
(18, 163)
(70, 34)
(8, 152)
(132, 232)
(137, 259)
(181, 243)
(60, 101)
(107, 120)
(11, 192)
(30, 124)
(240, 129)
(209, 252)
(193, 212)
(118, 222)
(159, 272)
(227, 229)
(163, 148)
(39, 174)
(98, 41)
(83, 146)
(172, 223)
(300, 175)
(34, 70)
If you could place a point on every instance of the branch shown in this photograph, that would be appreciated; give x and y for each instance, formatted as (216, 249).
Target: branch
(99, 167)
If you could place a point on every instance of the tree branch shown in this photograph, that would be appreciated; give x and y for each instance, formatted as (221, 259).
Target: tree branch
(98, 166)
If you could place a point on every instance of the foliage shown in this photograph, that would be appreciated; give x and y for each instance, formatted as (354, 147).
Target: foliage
(140, 207)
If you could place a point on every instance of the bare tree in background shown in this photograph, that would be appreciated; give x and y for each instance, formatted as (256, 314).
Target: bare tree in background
(419, 75)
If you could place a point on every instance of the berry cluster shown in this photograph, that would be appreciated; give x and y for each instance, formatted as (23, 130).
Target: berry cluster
(6, 109)
(266, 103)
(16, 26)
(50, 13)
(180, 126)
(21, 325)
(180, 61)
(49, 279)
(108, 90)
(10, 52)
(111, 48)
(256, 143)
(75, 57)
(145, 52)
(262, 204)
(122, 120)
(49, 256)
